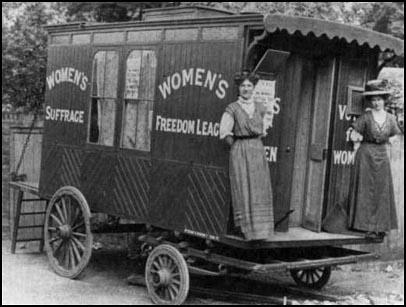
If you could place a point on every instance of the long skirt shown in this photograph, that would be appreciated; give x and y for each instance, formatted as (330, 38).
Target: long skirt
(371, 198)
(251, 190)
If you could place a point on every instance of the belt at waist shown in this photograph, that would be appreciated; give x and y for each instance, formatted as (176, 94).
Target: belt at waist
(375, 143)
(245, 137)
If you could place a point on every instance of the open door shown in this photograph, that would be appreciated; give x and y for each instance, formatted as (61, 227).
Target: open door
(319, 137)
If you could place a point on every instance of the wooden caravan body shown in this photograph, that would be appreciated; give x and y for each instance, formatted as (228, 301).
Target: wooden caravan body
(133, 110)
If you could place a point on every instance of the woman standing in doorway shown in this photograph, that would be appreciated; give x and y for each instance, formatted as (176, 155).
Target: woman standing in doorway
(371, 199)
(242, 127)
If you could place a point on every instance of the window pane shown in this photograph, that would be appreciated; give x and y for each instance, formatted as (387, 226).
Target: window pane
(106, 110)
(130, 118)
(139, 95)
(103, 104)
(148, 69)
(132, 78)
(143, 135)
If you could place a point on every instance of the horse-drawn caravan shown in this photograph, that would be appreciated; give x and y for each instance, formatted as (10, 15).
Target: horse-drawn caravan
(132, 117)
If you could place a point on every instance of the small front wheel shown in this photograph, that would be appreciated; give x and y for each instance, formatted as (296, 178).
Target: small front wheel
(315, 278)
(167, 276)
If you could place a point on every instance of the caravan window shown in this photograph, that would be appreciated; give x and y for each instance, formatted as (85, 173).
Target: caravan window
(104, 97)
(139, 94)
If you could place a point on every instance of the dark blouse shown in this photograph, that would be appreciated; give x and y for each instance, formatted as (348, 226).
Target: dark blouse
(372, 132)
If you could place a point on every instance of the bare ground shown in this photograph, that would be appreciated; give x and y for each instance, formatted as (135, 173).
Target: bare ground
(27, 279)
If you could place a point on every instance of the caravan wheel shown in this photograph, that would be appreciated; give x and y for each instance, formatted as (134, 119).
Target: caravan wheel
(167, 276)
(67, 235)
(315, 278)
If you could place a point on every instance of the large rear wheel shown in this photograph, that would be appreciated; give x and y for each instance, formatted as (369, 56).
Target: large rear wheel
(67, 235)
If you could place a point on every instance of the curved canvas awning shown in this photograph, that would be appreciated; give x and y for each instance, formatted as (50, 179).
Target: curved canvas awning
(334, 30)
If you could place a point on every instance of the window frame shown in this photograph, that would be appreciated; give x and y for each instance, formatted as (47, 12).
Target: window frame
(128, 50)
(118, 50)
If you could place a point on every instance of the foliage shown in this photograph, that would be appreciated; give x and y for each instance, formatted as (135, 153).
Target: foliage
(24, 54)
(24, 39)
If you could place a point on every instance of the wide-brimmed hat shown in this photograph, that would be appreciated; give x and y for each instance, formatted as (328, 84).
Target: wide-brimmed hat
(376, 88)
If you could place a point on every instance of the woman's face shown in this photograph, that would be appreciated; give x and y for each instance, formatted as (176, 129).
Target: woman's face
(378, 103)
(246, 89)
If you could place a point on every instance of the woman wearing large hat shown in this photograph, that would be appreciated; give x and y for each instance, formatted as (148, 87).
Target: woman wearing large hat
(371, 198)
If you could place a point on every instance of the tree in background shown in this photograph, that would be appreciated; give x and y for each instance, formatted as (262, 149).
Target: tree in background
(24, 52)
(24, 39)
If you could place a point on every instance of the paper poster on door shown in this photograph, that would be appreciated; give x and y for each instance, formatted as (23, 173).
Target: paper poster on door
(265, 92)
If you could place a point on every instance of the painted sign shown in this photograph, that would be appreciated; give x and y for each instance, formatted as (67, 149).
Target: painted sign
(183, 126)
(67, 74)
(196, 77)
(64, 115)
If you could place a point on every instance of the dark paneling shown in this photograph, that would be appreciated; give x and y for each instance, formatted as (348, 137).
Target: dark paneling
(50, 177)
(168, 190)
(353, 71)
(130, 187)
(192, 102)
(71, 167)
(97, 170)
(207, 201)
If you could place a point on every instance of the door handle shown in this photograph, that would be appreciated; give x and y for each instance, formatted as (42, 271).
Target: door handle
(288, 149)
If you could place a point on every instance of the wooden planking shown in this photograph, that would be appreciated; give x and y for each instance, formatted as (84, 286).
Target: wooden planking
(50, 179)
(96, 178)
(283, 137)
(130, 188)
(313, 204)
(194, 102)
(298, 196)
(167, 194)
(207, 201)
(351, 71)
(31, 167)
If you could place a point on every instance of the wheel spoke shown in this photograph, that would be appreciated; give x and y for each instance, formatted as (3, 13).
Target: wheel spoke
(64, 209)
(56, 220)
(79, 234)
(172, 293)
(316, 272)
(301, 274)
(76, 216)
(160, 262)
(175, 281)
(176, 289)
(71, 256)
(79, 244)
(54, 239)
(76, 251)
(156, 265)
(82, 223)
(312, 276)
(167, 295)
(307, 277)
(66, 253)
(62, 217)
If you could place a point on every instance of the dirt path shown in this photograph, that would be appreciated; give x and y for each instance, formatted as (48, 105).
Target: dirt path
(27, 279)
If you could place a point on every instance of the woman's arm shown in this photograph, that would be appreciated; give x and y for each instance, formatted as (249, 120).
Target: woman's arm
(226, 128)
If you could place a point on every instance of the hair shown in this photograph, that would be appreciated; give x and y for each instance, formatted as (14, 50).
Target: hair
(246, 75)
(385, 98)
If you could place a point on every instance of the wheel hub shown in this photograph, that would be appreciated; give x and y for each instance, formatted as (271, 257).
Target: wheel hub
(65, 231)
(164, 277)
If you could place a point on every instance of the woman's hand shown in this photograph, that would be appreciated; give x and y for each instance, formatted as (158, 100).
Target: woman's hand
(229, 139)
